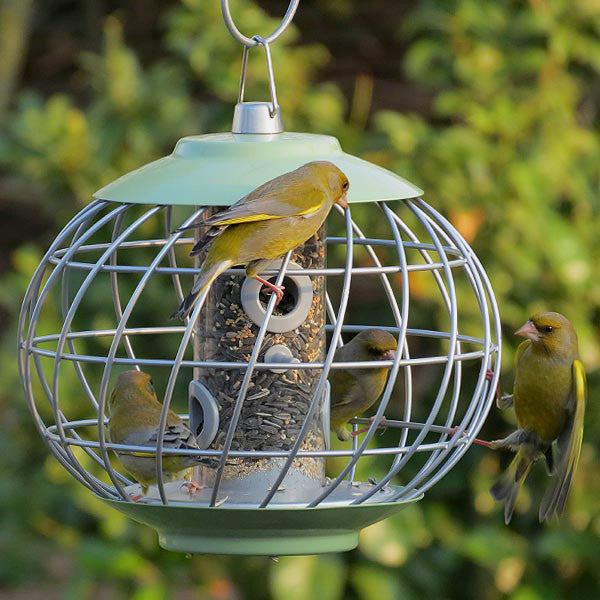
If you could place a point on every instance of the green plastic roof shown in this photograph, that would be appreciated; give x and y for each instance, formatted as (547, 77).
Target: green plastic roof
(218, 169)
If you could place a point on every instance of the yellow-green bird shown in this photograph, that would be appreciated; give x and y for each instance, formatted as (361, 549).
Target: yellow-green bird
(353, 391)
(134, 418)
(549, 396)
(276, 217)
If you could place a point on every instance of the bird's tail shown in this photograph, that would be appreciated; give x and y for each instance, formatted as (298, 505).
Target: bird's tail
(555, 498)
(208, 274)
(507, 487)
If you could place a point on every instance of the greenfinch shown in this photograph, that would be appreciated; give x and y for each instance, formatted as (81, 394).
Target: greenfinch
(276, 217)
(549, 396)
(353, 391)
(134, 419)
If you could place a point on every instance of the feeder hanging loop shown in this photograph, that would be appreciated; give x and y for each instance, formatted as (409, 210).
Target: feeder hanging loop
(252, 42)
(252, 117)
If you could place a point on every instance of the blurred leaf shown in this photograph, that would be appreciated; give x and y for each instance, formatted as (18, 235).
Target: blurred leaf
(569, 545)
(488, 546)
(307, 577)
(375, 583)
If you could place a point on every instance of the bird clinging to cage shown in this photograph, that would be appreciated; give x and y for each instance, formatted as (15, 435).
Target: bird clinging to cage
(134, 419)
(549, 396)
(355, 390)
(276, 217)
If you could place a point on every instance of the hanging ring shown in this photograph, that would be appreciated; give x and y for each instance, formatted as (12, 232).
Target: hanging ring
(252, 42)
(263, 42)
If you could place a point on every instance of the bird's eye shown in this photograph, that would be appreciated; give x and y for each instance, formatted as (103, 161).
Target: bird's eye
(373, 351)
(548, 329)
(345, 185)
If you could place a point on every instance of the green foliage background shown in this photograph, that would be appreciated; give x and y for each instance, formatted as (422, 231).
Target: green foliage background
(499, 125)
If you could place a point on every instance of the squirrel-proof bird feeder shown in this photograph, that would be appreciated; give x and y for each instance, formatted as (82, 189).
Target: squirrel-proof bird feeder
(255, 376)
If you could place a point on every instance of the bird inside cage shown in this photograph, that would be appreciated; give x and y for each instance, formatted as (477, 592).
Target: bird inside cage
(277, 217)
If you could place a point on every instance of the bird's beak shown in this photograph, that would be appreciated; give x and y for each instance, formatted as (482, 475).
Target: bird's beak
(528, 331)
(389, 355)
(342, 201)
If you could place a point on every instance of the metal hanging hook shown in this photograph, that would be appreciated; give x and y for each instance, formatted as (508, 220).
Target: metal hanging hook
(243, 75)
(257, 117)
(246, 120)
(272, 90)
(253, 41)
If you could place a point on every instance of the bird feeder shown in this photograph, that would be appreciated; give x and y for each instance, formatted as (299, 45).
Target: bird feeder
(254, 376)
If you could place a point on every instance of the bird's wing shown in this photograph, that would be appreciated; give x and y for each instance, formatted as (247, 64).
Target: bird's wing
(270, 203)
(569, 447)
(136, 436)
(202, 246)
(342, 381)
(343, 384)
(520, 350)
(177, 435)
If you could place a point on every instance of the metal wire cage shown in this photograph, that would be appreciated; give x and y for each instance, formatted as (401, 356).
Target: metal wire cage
(107, 264)
(99, 304)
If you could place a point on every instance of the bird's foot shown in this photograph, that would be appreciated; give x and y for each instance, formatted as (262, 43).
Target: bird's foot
(136, 498)
(505, 401)
(516, 439)
(475, 440)
(381, 425)
(192, 486)
(276, 289)
(489, 375)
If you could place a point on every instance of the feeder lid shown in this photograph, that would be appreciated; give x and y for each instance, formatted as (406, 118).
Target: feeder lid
(219, 169)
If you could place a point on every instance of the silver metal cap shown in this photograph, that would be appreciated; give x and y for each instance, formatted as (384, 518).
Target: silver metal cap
(255, 117)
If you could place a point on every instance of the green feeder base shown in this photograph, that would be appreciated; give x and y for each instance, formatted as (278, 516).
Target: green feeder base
(273, 531)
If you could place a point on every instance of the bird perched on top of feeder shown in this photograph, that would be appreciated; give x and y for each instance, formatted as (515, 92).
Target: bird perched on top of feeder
(549, 396)
(276, 217)
(353, 391)
(134, 418)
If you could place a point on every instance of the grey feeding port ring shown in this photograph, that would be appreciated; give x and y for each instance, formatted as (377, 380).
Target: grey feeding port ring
(252, 42)
(302, 300)
(204, 414)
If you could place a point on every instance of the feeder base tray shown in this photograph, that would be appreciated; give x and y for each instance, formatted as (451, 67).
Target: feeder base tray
(274, 531)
